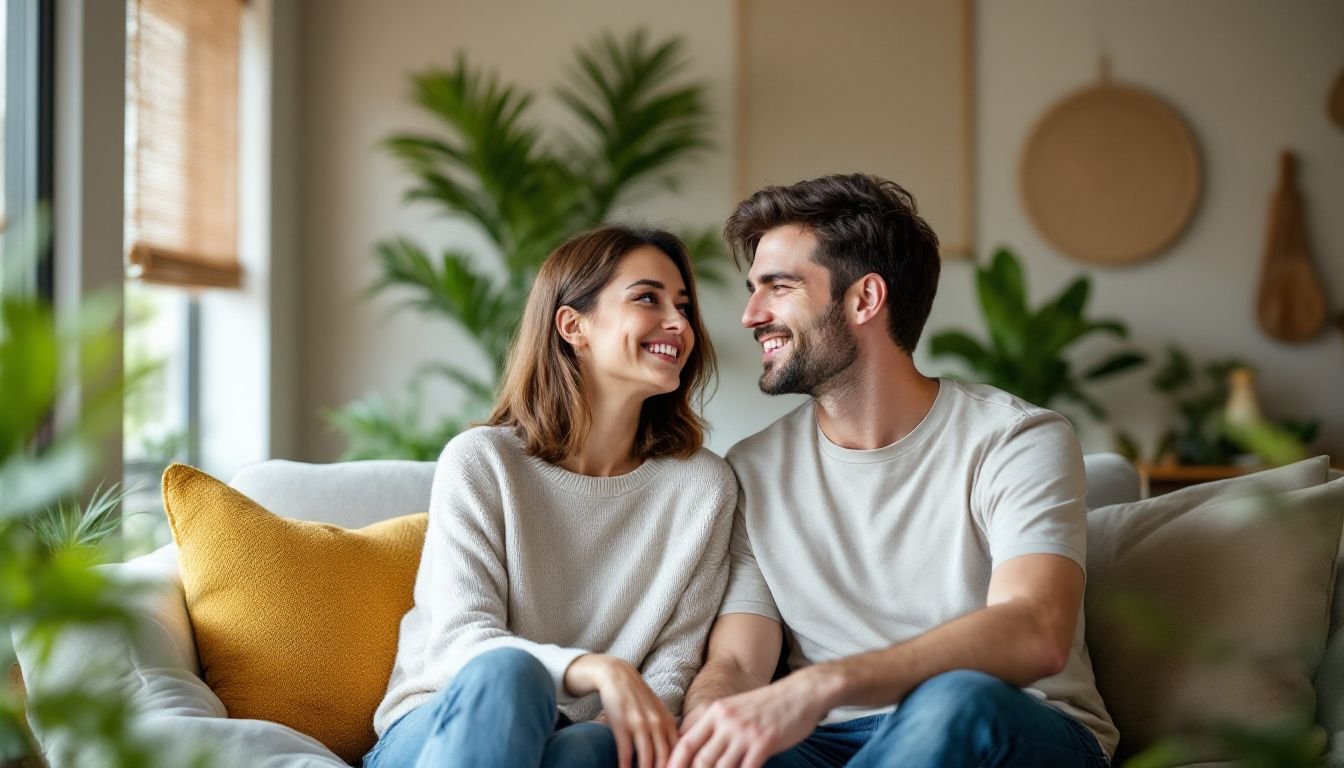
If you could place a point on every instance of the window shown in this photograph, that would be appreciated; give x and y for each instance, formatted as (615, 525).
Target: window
(25, 146)
(182, 87)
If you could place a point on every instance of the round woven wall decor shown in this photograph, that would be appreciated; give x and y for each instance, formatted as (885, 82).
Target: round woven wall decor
(1111, 175)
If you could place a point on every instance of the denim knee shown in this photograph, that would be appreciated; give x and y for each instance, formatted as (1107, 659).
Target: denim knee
(503, 669)
(506, 672)
(582, 744)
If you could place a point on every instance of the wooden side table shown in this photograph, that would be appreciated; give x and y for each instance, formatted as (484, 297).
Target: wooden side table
(1157, 479)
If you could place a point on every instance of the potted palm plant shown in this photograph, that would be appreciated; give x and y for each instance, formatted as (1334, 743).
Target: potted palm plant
(637, 121)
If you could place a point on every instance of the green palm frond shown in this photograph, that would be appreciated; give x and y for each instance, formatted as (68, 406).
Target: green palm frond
(69, 526)
(380, 428)
(639, 119)
(709, 257)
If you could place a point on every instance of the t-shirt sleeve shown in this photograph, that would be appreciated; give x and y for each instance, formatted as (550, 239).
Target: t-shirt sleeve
(747, 590)
(1031, 491)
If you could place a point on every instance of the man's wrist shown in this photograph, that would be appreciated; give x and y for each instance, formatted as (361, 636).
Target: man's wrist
(824, 684)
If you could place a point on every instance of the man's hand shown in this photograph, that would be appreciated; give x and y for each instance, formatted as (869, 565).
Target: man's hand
(746, 729)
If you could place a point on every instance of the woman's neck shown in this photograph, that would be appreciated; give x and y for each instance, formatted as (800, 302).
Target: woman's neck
(608, 449)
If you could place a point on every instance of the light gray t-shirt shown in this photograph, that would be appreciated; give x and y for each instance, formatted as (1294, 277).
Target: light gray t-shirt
(853, 551)
(520, 553)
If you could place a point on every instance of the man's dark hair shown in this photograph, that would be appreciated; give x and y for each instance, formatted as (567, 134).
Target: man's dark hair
(862, 224)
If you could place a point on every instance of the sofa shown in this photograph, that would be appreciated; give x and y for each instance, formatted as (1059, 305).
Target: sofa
(158, 669)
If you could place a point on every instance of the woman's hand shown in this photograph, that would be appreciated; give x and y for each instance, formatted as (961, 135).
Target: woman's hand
(638, 719)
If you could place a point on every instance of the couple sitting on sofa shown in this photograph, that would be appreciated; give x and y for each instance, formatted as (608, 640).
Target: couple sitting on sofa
(922, 540)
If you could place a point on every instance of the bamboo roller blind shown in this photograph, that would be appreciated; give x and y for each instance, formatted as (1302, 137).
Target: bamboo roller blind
(182, 72)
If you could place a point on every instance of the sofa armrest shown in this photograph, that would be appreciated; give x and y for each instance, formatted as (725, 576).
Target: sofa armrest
(154, 665)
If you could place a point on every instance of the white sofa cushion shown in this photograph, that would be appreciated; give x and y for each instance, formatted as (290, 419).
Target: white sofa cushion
(156, 669)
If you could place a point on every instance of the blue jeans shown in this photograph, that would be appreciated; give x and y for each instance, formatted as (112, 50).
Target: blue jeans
(498, 711)
(954, 719)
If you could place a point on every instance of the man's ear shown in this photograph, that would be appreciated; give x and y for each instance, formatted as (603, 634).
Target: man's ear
(867, 297)
(569, 324)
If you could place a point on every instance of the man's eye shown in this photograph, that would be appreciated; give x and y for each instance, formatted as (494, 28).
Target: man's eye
(779, 288)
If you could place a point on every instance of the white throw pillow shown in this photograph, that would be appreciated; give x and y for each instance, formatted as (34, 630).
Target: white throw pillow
(1211, 604)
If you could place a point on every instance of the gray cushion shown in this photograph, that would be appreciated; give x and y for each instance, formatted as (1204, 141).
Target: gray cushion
(1211, 604)
(1111, 479)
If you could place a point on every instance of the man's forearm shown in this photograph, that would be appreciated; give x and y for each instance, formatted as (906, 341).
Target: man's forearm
(718, 679)
(1003, 640)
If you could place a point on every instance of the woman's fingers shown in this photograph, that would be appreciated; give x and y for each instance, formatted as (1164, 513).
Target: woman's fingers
(622, 745)
(644, 745)
(665, 738)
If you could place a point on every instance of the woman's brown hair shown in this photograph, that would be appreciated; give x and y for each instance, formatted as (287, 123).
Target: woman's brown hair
(542, 392)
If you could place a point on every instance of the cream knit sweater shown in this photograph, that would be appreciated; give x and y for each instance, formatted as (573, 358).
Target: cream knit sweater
(521, 553)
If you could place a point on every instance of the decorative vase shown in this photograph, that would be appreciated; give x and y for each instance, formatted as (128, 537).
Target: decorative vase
(1243, 407)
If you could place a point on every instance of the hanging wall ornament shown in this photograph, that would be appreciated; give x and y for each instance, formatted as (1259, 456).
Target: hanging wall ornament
(1335, 105)
(1111, 174)
(1291, 302)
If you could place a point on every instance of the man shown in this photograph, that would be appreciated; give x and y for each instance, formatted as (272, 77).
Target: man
(921, 541)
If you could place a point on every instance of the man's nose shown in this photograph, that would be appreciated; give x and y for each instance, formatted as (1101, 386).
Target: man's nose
(754, 314)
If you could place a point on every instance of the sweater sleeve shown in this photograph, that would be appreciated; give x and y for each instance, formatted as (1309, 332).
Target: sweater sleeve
(679, 648)
(463, 581)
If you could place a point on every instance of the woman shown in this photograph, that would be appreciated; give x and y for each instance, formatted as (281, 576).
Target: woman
(577, 544)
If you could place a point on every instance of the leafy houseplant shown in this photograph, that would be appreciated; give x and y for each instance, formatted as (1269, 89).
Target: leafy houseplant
(1026, 352)
(1203, 438)
(637, 121)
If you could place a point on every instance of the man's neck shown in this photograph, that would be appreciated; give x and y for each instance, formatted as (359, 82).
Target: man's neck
(875, 403)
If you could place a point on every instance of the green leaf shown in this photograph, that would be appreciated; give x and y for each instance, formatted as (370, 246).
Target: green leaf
(1117, 363)
(1176, 372)
(1001, 289)
(960, 344)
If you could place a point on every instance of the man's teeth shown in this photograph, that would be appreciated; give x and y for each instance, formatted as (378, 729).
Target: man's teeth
(771, 345)
(663, 349)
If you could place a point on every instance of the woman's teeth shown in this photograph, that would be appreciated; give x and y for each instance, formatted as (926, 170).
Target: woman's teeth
(662, 349)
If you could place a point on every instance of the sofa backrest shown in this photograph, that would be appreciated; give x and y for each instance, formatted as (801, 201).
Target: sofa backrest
(351, 494)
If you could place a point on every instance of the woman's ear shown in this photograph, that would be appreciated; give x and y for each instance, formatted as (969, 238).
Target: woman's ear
(569, 324)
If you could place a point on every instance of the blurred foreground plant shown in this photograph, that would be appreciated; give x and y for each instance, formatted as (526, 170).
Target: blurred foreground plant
(49, 544)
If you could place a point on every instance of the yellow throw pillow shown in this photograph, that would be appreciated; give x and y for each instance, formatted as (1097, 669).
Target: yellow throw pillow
(295, 622)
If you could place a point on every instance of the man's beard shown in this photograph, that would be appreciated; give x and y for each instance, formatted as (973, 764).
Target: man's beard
(819, 352)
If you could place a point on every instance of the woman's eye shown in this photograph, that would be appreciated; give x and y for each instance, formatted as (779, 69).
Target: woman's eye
(648, 298)
(684, 309)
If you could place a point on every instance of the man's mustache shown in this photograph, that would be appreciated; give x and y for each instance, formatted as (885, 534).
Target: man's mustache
(767, 330)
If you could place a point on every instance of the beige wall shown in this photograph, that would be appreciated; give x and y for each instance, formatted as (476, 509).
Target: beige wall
(1250, 77)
